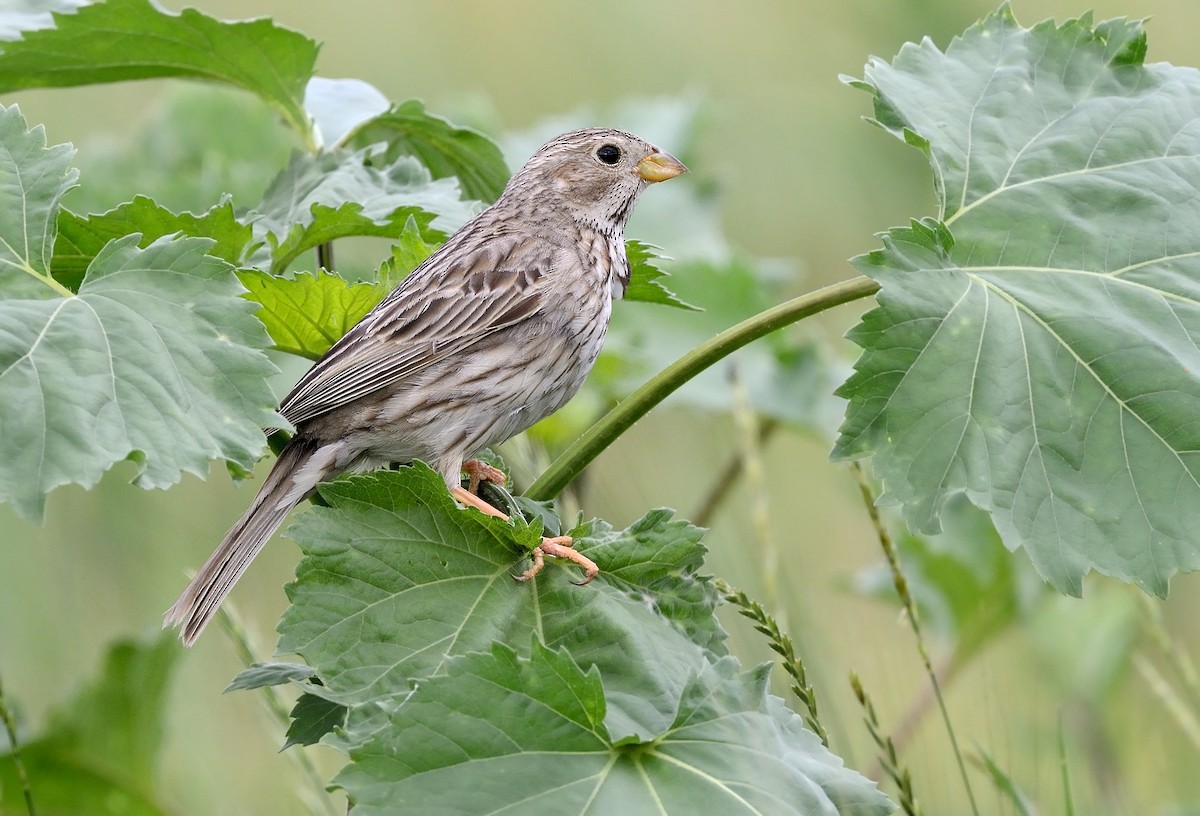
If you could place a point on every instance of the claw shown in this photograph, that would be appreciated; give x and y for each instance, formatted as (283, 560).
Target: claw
(480, 471)
(560, 547)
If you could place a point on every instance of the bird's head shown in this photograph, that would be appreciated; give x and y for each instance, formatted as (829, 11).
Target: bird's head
(596, 174)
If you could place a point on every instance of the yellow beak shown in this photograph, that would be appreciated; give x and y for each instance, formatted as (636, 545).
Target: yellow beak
(660, 167)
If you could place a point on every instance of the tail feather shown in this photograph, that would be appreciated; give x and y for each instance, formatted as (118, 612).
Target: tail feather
(300, 467)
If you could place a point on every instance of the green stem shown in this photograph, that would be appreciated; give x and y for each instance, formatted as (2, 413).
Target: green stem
(10, 728)
(49, 280)
(638, 404)
(910, 608)
(277, 708)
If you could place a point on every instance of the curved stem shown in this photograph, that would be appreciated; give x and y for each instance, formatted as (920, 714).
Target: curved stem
(638, 404)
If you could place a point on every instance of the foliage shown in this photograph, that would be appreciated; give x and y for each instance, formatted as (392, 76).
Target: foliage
(1065, 172)
(99, 751)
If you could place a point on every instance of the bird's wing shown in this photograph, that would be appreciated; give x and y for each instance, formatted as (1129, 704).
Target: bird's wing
(455, 299)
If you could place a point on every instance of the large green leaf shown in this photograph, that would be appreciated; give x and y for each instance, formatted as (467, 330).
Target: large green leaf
(397, 579)
(448, 150)
(80, 238)
(33, 180)
(119, 40)
(498, 733)
(1036, 346)
(157, 359)
(99, 753)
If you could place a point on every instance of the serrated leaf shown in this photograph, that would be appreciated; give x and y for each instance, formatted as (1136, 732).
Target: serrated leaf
(157, 359)
(306, 314)
(259, 675)
(336, 194)
(396, 579)
(33, 180)
(446, 149)
(312, 718)
(499, 733)
(646, 278)
(409, 252)
(326, 224)
(120, 40)
(1036, 348)
(81, 237)
(103, 746)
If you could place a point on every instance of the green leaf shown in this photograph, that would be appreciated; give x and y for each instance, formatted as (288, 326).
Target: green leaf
(645, 277)
(312, 718)
(120, 40)
(35, 178)
(327, 224)
(103, 746)
(80, 238)
(409, 252)
(397, 579)
(305, 315)
(497, 733)
(1036, 347)
(157, 359)
(259, 675)
(448, 150)
(339, 194)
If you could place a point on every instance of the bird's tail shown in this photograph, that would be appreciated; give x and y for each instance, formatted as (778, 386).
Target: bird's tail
(300, 467)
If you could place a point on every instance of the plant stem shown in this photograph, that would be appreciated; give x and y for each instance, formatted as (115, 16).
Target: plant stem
(277, 708)
(1065, 766)
(889, 758)
(670, 379)
(781, 644)
(910, 608)
(10, 727)
(49, 280)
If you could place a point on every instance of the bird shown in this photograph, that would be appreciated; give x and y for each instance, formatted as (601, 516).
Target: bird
(494, 331)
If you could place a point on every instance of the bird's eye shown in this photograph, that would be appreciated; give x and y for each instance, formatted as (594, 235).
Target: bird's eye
(609, 154)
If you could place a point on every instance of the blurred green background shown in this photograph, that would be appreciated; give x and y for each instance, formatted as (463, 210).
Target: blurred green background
(799, 177)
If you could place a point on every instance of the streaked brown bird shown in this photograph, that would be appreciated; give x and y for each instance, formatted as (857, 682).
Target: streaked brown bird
(495, 331)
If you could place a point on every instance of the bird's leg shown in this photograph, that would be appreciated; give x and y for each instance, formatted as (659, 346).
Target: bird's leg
(557, 546)
(480, 471)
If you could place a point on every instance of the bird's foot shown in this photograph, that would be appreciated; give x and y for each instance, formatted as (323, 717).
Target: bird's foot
(557, 546)
(480, 471)
(560, 547)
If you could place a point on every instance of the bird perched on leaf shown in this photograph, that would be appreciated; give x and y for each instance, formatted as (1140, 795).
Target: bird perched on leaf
(496, 330)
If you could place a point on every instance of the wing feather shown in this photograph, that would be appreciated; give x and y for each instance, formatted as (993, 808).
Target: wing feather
(449, 303)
